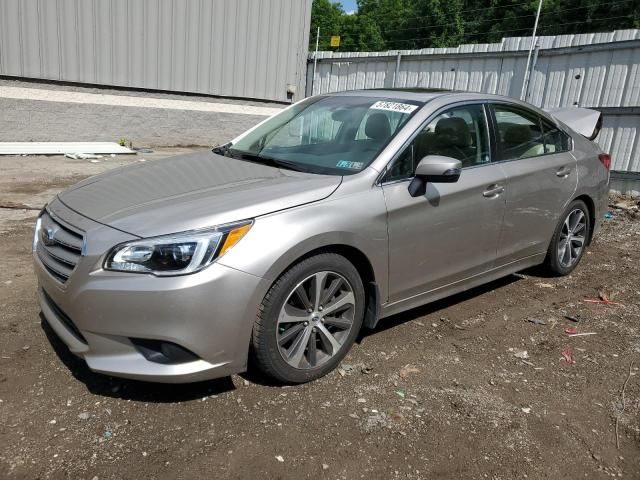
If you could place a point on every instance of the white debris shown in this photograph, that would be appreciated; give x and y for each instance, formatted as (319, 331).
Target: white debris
(62, 148)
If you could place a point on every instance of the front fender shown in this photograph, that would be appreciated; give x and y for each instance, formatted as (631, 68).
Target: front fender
(276, 241)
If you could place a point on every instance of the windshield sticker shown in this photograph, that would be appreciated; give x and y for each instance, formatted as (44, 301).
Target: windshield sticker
(349, 165)
(394, 106)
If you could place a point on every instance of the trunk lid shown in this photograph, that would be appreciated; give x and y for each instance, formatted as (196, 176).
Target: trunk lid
(584, 121)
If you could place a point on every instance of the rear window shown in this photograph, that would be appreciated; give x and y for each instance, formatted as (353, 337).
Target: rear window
(555, 140)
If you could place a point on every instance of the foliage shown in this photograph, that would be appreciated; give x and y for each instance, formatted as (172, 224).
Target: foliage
(359, 32)
(412, 24)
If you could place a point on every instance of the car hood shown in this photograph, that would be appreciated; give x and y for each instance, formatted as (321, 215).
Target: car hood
(192, 191)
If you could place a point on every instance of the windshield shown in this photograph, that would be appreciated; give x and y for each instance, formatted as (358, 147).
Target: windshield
(334, 135)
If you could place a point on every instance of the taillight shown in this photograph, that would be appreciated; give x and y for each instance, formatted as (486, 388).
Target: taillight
(605, 159)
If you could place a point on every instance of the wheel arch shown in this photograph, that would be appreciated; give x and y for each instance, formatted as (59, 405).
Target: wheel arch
(591, 206)
(364, 267)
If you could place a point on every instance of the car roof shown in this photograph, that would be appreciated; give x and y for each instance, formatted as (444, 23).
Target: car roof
(422, 95)
(425, 94)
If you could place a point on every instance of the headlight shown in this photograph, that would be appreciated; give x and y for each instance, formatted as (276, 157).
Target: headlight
(177, 254)
(36, 233)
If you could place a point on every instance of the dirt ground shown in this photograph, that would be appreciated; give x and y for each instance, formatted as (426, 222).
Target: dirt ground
(471, 387)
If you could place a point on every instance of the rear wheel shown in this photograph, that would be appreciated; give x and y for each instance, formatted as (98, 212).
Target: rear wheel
(570, 239)
(309, 319)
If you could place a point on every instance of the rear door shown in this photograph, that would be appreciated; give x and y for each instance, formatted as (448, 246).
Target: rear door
(452, 231)
(541, 179)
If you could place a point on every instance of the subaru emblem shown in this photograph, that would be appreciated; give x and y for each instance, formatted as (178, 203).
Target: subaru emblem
(47, 236)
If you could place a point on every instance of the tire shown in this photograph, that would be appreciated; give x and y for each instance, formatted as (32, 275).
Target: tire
(563, 260)
(280, 331)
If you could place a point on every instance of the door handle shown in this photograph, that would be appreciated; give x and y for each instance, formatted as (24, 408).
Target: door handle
(493, 190)
(563, 172)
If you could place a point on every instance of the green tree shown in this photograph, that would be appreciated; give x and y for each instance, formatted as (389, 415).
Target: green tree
(414, 24)
(503, 18)
(583, 16)
(357, 32)
(393, 18)
(438, 23)
(328, 16)
(360, 33)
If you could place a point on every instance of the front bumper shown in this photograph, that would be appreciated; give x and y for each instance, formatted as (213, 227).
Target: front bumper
(97, 313)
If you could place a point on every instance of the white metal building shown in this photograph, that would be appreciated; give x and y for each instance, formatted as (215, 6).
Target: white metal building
(236, 48)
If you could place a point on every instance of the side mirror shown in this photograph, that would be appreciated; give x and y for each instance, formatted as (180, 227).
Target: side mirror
(434, 169)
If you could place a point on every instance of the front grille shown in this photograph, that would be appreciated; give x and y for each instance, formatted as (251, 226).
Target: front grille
(59, 247)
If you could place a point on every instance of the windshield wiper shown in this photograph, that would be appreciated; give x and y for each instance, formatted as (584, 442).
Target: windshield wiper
(222, 149)
(274, 162)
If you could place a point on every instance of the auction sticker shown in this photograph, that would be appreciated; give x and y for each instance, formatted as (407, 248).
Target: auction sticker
(349, 165)
(394, 106)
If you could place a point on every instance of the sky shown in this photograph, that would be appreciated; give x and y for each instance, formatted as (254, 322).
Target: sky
(348, 6)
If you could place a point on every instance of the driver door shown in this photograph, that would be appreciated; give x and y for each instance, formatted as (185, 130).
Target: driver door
(452, 232)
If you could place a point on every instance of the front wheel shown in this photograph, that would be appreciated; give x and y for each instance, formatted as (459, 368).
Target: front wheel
(569, 239)
(309, 319)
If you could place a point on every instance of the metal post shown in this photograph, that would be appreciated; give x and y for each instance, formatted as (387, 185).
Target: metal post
(395, 75)
(533, 69)
(315, 60)
(525, 81)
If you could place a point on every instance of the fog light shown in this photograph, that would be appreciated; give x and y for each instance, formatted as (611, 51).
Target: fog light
(159, 351)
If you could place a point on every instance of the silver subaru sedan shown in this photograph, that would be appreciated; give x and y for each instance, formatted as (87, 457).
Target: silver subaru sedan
(337, 212)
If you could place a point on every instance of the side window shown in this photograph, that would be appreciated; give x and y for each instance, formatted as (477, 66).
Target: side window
(403, 167)
(555, 140)
(459, 133)
(519, 133)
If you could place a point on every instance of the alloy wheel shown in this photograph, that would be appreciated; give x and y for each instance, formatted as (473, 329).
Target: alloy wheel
(315, 320)
(572, 238)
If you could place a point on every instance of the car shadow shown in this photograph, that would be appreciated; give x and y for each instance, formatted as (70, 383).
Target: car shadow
(255, 375)
(539, 271)
(135, 390)
(100, 384)
(433, 307)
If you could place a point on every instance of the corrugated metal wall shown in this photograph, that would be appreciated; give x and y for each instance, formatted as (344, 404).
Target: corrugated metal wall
(599, 70)
(239, 48)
